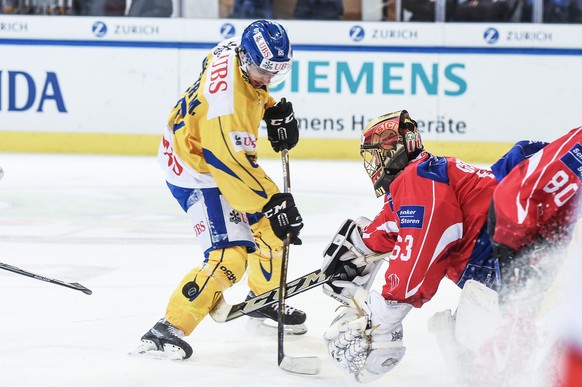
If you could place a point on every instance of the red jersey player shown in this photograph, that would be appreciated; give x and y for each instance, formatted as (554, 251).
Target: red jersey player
(433, 224)
(532, 208)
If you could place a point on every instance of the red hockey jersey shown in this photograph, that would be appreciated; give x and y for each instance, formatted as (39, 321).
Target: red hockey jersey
(534, 199)
(431, 218)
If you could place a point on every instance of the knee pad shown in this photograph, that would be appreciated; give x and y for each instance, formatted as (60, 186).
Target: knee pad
(200, 289)
(227, 265)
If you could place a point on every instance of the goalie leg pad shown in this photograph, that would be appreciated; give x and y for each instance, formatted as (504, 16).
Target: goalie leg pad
(477, 317)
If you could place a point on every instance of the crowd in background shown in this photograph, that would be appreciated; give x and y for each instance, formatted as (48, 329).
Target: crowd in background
(144, 8)
(554, 11)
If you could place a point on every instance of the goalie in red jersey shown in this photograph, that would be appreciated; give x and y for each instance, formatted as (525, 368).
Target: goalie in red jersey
(434, 224)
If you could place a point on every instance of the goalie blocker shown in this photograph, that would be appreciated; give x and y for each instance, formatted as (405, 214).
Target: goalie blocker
(347, 258)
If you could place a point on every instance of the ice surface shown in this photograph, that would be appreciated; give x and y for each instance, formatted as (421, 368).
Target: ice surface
(111, 224)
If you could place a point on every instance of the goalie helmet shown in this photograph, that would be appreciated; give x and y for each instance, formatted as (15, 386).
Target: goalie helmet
(388, 144)
(265, 53)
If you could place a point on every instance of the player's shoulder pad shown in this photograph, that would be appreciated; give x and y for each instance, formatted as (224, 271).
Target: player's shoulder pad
(434, 168)
(519, 152)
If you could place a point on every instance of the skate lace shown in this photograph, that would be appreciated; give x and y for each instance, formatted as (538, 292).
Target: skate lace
(173, 330)
(288, 309)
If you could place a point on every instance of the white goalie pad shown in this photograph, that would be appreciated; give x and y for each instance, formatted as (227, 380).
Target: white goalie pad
(458, 358)
(477, 317)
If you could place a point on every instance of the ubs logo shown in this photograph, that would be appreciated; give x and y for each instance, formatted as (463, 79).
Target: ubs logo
(357, 33)
(99, 29)
(491, 35)
(243, 141)
(227, 30)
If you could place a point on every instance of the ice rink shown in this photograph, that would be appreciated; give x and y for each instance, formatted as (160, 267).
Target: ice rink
(111, 224)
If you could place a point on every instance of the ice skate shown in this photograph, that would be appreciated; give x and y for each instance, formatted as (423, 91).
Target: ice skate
(163, 341)
(294, 319)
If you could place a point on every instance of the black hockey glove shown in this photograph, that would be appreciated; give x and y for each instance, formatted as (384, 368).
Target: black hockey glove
(284, 217)
(505, 256)
(506, 259)
(520, 267)
(282, 129)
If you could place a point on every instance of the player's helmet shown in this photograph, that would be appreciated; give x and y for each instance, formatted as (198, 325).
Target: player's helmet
(388, 144)
(265, 48)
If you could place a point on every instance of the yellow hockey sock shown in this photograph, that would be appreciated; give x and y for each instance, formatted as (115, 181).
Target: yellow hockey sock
(200, 289)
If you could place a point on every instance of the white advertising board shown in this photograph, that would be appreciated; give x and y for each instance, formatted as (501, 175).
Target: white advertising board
(468, 83)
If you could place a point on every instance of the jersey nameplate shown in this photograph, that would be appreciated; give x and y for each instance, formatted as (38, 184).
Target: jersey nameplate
(573, 160)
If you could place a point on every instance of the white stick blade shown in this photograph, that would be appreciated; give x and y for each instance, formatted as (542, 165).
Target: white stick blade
(308, 365)
(220, 311)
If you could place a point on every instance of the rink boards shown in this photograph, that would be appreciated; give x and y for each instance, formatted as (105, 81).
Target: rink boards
(106, 85)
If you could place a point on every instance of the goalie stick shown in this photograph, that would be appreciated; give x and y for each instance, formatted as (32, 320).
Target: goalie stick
(70, 285)
(224, 312)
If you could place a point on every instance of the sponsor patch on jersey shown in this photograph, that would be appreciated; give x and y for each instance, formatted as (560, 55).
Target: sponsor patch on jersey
(573, 160)
(243, 141)
(411, 216)
(219, 84)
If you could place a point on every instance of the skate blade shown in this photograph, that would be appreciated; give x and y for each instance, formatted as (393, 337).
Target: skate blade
(147, 349)
(270, 325)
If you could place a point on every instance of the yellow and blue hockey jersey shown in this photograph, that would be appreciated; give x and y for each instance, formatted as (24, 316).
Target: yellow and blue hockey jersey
(212, 133)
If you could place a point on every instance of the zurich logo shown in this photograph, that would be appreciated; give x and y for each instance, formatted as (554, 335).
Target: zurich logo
(99, 29)
(227, 30)
(491, 35)
(357, 33)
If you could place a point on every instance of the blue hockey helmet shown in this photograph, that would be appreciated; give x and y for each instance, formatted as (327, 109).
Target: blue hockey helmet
(265, 52)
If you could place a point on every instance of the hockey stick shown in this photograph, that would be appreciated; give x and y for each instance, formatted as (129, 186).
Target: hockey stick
(224, 312)
(73, 285)
(300, 365)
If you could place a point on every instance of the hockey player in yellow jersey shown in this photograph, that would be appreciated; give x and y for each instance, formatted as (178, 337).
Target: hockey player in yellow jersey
(209, 156)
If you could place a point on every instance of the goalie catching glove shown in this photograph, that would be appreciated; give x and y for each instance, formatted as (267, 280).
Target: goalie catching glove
(282, 130)
(365, 338)
(284, 217)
